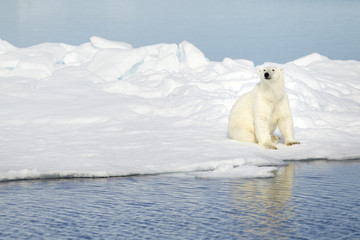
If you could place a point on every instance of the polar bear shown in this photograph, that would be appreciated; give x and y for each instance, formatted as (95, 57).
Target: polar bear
(256, 114)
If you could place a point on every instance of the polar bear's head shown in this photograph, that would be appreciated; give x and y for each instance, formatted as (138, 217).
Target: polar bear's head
(272, 74)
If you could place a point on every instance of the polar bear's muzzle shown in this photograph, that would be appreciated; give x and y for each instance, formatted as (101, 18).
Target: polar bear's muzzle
(267, 76)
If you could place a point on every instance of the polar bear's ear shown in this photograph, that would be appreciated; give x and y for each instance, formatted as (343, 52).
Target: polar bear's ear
(281, 69)
(260, 70)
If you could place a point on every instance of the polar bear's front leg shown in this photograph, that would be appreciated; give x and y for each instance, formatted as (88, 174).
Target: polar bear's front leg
(262, 132)
(285, 123)
(262, 115)
(286, 128)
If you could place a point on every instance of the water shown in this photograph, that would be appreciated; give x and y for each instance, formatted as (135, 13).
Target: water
(306, 200)
(278, 31)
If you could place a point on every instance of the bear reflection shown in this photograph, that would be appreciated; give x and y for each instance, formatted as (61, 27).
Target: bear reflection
(261, 206)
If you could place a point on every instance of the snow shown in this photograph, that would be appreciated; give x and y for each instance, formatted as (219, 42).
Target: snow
(106, 109)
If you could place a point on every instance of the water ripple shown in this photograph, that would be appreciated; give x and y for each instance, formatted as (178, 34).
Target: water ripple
(311, 200)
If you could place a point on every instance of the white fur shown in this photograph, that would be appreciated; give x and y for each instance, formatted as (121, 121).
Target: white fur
(256, 114)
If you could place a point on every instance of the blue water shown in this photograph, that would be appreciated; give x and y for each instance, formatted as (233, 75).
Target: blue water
(258, 30)
(306, 200)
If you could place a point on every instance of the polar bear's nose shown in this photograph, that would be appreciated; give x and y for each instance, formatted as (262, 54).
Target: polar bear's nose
(266, 75)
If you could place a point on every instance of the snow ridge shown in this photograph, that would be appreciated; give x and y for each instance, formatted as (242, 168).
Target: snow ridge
(105, 109)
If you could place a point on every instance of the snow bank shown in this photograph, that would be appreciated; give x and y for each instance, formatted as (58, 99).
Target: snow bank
(106, 109)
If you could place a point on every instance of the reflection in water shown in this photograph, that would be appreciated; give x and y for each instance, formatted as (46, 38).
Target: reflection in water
(262, 205)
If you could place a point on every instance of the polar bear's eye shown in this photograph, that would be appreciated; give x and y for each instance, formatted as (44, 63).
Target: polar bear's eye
(273, 70)
(264, 70)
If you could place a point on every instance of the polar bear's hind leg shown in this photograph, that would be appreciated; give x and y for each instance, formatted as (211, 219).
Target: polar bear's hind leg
(242, 135)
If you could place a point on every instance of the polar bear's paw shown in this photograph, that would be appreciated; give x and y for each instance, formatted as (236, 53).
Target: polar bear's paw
(274, 139)
(290, 143)
(269, 146)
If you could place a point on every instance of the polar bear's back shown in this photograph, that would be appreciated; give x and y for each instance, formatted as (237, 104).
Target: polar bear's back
(241, 118)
